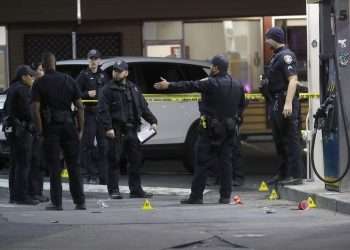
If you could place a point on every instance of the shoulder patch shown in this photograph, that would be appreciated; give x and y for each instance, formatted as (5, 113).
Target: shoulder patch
(288, 59)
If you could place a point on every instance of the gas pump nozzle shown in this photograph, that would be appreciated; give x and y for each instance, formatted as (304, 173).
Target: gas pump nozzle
(324, 112)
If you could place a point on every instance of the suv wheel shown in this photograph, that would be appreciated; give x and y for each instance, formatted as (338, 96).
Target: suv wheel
(189, 153)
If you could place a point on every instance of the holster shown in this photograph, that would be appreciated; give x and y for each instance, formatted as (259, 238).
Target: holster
(57, 116)
(264, 90)
(8, 126)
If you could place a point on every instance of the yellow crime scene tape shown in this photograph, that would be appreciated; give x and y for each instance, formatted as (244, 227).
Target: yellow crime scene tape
(191, 97)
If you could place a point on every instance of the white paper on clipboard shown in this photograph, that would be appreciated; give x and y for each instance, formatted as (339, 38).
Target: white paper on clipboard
(146, 132)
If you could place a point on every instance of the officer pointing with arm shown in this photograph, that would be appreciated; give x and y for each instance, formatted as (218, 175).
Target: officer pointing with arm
(121, 106)
(220, 97)
(284, 108)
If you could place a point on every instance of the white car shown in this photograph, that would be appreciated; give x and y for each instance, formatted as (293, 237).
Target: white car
(177, 113)
(4, 147)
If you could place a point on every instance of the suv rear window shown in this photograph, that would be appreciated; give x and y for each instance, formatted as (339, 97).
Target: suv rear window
(194, 72)
(72, 70)
(150, 73)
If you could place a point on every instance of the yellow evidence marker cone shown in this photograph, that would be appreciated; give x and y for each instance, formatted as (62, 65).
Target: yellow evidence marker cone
(64, 173)
(311, 202)
(263, 187)
(274, 195)
(147, 206)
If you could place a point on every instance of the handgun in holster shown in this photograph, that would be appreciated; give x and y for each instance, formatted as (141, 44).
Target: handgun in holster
(8, 126)
(264, 89)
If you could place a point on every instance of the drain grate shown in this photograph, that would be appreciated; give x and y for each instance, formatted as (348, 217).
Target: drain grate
(214, 242)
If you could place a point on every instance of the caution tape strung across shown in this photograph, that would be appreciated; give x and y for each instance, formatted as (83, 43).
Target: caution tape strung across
(192, 97)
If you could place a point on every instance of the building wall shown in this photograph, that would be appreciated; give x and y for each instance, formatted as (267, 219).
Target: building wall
(187, 9)
(131, 36)
(15, 11)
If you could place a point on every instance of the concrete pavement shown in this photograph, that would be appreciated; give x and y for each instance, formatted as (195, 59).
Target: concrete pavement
(256, 224)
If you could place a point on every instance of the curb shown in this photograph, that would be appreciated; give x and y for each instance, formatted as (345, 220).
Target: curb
(333, 201)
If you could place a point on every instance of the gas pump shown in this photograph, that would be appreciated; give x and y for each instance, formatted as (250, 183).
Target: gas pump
(332, 118)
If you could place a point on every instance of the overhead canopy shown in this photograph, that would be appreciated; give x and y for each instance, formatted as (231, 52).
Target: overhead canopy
(16, 11)
(187, 9)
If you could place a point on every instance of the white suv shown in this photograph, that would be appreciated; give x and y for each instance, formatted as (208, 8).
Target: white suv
(177, 114)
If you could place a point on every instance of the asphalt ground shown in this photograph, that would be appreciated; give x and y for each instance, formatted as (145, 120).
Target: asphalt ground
(257, 223)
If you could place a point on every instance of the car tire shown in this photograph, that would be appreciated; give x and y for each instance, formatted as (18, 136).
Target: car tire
(189, 147)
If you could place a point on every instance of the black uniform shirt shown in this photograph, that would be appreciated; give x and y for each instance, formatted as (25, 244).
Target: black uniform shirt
(87, 81)
(122, 104)
(221, 95)
(56, 90)
(282, 66)
(18, 100)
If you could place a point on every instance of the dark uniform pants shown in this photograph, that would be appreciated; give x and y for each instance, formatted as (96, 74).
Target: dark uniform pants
(21, 145)
(237, 173)
(286, 134)
(91, 156)
(65, 137)
(130, 145)
(206, 153)
(36, 179)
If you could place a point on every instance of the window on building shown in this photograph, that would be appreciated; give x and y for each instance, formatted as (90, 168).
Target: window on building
(239, 39)
(295, 29)
(3, 58)
(163, 39)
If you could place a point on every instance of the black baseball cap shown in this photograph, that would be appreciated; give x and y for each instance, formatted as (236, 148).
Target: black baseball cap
(120, 65)
(94, 53)
(276, 34)
(24, 70)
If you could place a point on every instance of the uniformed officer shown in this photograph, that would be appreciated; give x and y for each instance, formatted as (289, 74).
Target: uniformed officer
(282, 84)
(36, 179)
(53, 95)
(120, 108)
(91, 81)
(218, 108)
(19, 129)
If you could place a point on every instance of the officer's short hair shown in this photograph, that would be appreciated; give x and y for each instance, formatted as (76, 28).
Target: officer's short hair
(49, 60)
(221, 62)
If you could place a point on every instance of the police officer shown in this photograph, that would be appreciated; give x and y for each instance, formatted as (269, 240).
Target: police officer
(53, 95)
(91, 81)
(19, 129)
(120, 108)
(218, 108)
(282, 84)
(36, 179)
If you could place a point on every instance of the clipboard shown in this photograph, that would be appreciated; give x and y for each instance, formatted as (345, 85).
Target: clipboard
(146, 133)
